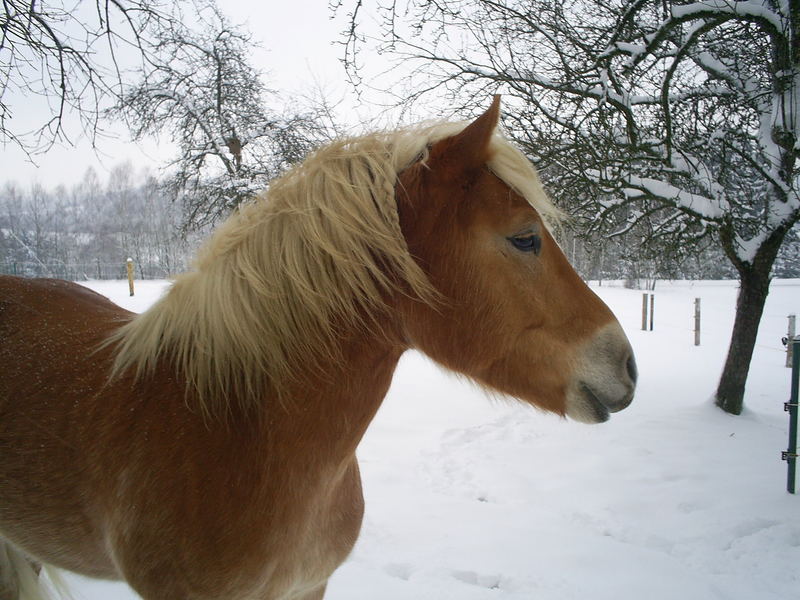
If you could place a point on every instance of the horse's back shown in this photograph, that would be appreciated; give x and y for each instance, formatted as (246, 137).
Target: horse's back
(50, 332)
(27, 302)
(46, 325)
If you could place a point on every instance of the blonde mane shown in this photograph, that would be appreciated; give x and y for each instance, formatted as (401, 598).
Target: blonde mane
(321, 248)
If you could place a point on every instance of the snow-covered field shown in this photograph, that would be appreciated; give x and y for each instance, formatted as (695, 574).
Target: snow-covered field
(469, 498)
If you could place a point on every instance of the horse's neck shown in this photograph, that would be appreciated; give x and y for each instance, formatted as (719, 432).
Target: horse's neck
(327, 413)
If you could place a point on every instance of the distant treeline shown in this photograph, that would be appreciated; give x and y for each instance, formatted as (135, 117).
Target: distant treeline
(87, 231)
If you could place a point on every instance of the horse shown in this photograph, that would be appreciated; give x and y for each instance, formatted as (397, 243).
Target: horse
(206, 448)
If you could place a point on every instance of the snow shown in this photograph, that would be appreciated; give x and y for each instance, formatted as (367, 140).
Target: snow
(475, 499)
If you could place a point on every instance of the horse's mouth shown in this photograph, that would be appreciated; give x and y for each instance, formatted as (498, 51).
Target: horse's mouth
(604, 377)
(600, 406)
(593, 405)
(590, 406)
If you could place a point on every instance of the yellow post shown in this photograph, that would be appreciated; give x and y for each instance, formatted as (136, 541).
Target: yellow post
(129, 265)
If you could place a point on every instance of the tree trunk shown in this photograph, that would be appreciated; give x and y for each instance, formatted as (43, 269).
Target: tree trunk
(749, 307)
(754, 286)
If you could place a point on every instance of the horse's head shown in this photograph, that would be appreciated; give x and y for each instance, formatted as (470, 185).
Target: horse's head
(513, 314)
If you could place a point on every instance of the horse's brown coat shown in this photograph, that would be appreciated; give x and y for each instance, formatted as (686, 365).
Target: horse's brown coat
(126, 482)
(129, 478)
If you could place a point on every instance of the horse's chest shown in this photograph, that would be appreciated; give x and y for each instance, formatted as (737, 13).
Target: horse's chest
(324, 531)
(272, 542)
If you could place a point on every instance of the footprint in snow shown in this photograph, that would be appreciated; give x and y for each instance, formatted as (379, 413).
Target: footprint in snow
(490, 582)
(753, 527)
(399, 570)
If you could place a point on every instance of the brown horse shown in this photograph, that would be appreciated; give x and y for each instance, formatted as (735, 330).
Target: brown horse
(205, 449)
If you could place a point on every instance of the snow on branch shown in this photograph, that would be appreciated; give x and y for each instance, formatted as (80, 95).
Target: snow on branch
(703, 207)
(704, 15)
(755, 11)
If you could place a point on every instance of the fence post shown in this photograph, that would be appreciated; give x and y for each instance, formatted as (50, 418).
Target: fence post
(790, 456)
(644, 310)
(697, 321)
(129, 265)
(789, 337)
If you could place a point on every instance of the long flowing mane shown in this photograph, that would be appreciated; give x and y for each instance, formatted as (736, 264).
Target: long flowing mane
(318, 250)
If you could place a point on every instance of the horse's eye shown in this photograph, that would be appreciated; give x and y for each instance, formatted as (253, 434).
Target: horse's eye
(527, 243)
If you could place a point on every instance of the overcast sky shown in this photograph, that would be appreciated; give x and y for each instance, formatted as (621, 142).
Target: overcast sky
(297, 48)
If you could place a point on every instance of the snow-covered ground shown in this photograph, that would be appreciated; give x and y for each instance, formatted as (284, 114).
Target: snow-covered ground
(469, 498)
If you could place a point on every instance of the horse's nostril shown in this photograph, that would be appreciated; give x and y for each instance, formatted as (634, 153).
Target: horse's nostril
(631, 366)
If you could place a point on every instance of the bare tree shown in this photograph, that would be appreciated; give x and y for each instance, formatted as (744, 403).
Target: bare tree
(677, 119)
(68, 58)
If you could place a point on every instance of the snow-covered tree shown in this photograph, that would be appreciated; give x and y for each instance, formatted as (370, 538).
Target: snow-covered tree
(681, 114)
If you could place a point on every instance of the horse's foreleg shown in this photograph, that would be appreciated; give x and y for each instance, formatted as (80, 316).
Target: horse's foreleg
(316, 594)
(19, 575)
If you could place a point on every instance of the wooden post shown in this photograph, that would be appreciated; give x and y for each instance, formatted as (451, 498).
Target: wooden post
(652, 309)
(129, 265)
(697, 321)
(644, 312)
(789, 337)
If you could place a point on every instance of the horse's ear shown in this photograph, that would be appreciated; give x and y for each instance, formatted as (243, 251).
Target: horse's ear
(469, 149)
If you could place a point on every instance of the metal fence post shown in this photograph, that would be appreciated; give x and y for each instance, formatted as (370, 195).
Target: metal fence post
(789, 337)
(790, 456)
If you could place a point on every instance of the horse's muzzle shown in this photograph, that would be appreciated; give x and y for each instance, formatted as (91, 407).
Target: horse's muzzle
(605, 377)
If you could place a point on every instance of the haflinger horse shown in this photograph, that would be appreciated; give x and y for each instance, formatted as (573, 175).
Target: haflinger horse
(206, 449)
